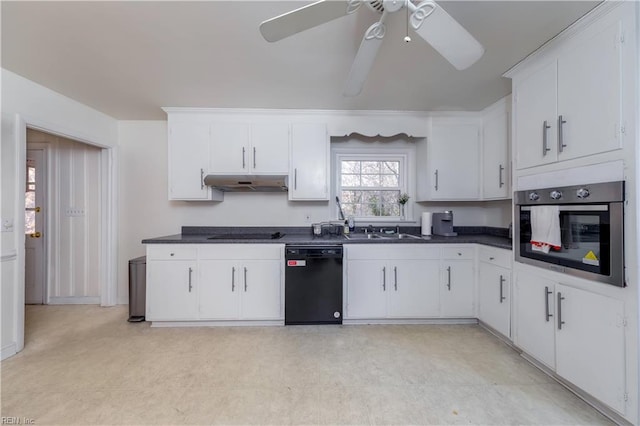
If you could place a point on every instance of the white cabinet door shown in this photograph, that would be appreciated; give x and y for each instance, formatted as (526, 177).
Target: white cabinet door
(367, 288)
(535, 118)
(456, 288)
(495, 157)
(261, 290)
(171, 290)
(534, 304)
(220, 288)
(188, 161)
(309, 162)
(230, 148)
(412, 288)
(589, 94)
(269, 148)
(454, 153)
(494, 298)
(590, 344)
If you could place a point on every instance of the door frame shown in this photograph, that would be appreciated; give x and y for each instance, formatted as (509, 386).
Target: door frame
(108, 220)
(46, 217)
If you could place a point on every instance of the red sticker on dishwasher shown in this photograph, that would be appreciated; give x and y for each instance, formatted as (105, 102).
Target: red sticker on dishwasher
(296, 263)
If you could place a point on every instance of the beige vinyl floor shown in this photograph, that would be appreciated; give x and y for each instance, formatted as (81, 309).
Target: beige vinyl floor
(87, 365)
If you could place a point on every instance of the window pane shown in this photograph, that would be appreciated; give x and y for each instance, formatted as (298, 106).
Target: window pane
(352, 167)
(390, 197)
(390, 180)
(391, 167)
(350, 209)
(371, 167)
(370, 180)
(29, 221)
(31, 174)
(30, 200)
(350, 180)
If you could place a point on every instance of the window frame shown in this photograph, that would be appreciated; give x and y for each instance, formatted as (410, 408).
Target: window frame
(398, 155)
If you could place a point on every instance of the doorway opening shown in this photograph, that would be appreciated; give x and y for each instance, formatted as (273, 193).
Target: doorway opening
(63, 248)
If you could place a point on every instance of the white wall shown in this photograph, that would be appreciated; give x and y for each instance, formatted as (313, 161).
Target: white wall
(73, 181)
(45, 109)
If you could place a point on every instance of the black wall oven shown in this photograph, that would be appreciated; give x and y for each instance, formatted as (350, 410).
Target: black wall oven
(591, 221)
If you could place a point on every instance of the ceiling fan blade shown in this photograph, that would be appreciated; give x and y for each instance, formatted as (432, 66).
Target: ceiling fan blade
(306, 17)
(445, 34)
(364, 58)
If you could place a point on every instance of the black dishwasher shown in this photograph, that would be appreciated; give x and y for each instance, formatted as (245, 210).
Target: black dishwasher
(313, 285)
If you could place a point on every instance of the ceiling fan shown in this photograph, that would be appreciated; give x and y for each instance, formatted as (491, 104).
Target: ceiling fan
(426, 18)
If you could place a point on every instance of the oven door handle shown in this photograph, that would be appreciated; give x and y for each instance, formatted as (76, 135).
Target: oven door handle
(574, 208)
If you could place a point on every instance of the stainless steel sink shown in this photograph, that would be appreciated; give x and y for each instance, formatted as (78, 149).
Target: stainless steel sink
(380, 236)
(364, 236)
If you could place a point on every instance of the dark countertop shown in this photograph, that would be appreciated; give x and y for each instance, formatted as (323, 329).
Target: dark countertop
(493, 237)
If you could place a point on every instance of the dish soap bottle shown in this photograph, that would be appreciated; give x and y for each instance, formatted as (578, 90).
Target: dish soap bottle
(346, 228)
(352, 223)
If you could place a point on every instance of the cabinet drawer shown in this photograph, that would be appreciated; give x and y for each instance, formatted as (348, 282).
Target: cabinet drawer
(242, 251)
(467, 253)
(171, 252)
(391, 251)
(495, 256)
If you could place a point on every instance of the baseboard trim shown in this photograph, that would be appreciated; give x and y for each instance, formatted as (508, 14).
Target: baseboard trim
(496, 333)
(410, 321)
(8, 350)
(599, 406)
(216, 323)
(74, 301)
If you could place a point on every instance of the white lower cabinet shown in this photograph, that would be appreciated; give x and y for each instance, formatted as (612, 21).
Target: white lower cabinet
(494, 289)
(218, 282)
(456, 290)
(576, 333)
(409, 281)
(231, 290)
(171, 290)
(392, 289)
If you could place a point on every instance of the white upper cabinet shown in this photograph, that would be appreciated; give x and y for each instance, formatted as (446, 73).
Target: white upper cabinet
(309, 162)
(189, 161)
(453, 162)
(243, 148)
(496, 176)
(568, 104)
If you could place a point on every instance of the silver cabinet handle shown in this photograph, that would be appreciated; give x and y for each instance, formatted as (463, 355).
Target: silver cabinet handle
(502, 296)
(395, 278)
(545, 147)
(384, 278)
(243, 163)
(295, 178)
(233, 279)
(449, 278)
(561, 144)
(245, 279)
(436, 173)
(547, 314)
(560, 322)
(500, 180)
(201, 178)
(254, 157)
(190, 285)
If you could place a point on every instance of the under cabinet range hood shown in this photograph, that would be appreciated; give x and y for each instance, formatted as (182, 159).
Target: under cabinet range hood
(243, 183)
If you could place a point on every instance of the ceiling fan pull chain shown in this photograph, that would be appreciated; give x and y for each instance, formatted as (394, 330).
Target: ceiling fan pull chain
(407, 38)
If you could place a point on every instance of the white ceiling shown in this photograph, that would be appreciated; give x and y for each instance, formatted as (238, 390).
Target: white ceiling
(127, 59)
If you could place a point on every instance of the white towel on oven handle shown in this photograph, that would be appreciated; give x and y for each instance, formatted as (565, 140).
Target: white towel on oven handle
(545, 228)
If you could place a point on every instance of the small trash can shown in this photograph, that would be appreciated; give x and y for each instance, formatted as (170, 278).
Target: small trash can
(137, 288)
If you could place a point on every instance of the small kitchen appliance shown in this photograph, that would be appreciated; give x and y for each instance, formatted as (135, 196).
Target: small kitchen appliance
(443, 224)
